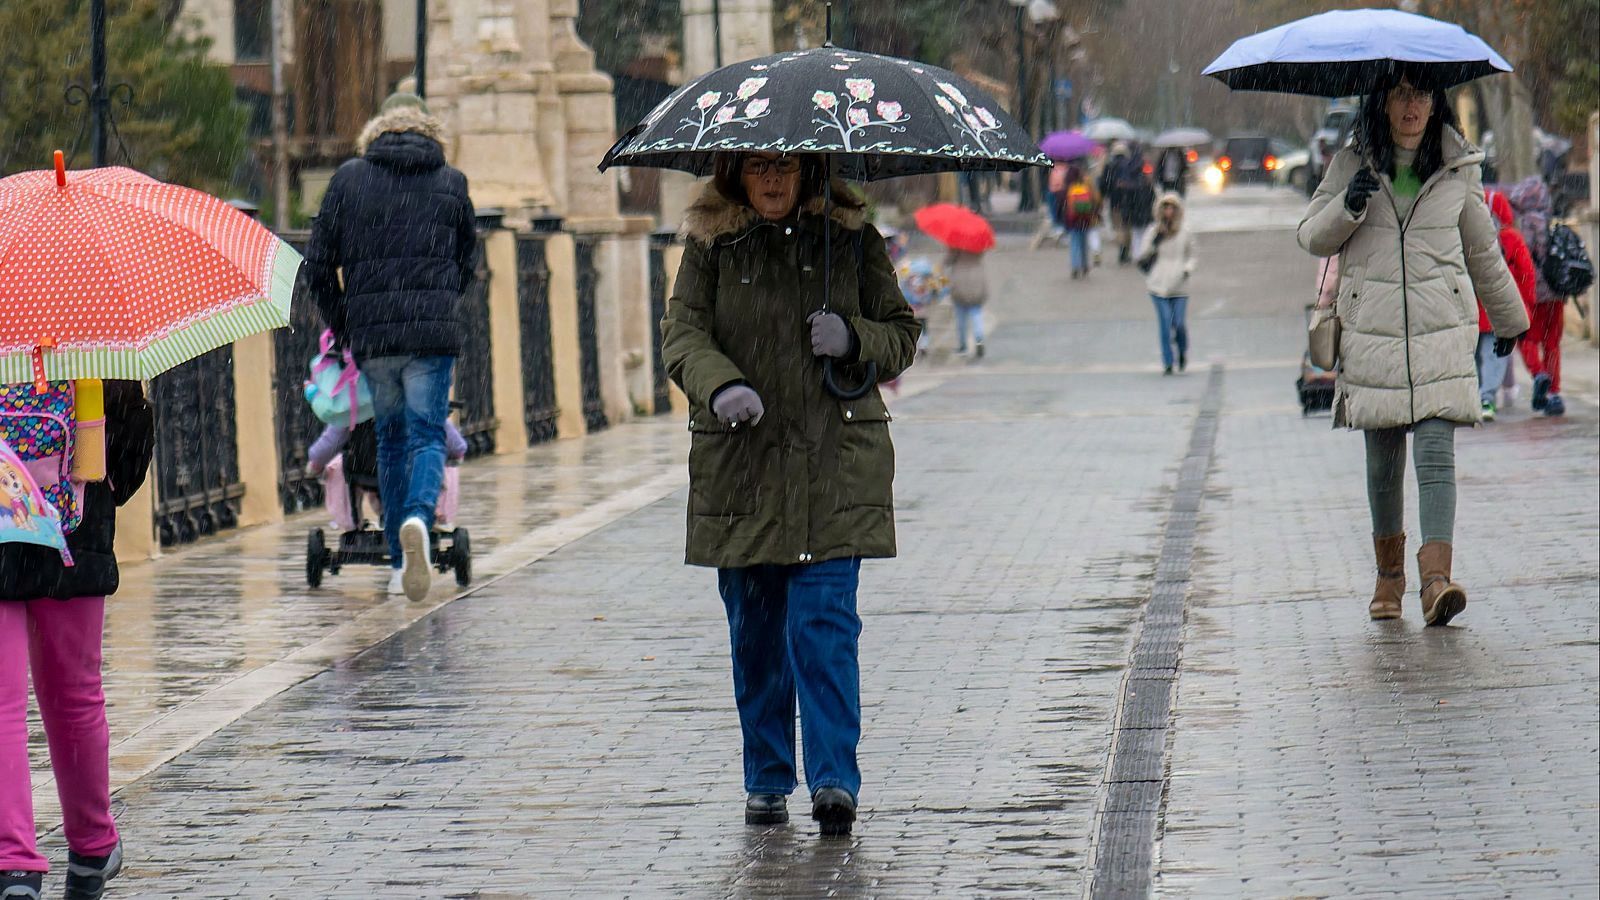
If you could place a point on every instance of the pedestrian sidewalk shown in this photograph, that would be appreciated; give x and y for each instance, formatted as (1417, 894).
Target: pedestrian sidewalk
(207, 632)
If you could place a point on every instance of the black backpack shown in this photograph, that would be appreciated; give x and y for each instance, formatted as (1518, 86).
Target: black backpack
(1566, 267)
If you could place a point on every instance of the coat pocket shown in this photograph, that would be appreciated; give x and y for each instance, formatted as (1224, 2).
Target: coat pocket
(724, 479)
(866, 453)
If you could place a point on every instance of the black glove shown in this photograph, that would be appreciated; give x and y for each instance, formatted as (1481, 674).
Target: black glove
(1361, 186)
(1156, 241)
(737, 404)
(1504, 346)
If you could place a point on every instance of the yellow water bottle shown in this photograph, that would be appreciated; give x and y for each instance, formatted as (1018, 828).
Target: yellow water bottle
(89, 441)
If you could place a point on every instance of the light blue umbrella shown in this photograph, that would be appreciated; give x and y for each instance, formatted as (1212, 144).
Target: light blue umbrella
(1356, 51)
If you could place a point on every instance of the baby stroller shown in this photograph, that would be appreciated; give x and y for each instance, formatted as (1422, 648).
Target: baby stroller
(1315, 385)
(361, 542)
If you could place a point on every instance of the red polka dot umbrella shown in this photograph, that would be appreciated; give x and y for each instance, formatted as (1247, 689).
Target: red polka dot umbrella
(108, 273)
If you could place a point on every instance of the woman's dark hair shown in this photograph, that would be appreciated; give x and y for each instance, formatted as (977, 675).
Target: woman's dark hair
(1374, 142)
(728, 176)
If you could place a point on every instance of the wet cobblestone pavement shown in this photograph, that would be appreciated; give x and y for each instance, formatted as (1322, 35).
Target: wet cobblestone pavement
(569, 730)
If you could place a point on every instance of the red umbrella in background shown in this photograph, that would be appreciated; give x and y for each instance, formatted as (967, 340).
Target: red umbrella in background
(956, 227)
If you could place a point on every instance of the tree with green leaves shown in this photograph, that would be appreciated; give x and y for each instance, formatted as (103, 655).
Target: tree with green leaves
(183, 124)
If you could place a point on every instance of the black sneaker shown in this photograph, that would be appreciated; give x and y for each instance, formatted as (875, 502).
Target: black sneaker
(978, 349)
(835, 810)
(19, 885)
(87, 875)
(1541, 391)
(766, 809)
(1183, 362)
(1555, 406)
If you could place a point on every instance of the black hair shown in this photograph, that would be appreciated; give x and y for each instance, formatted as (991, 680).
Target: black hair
(1374, 142)
(728, 176)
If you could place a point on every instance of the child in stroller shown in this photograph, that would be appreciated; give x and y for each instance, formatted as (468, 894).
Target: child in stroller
(347, 461)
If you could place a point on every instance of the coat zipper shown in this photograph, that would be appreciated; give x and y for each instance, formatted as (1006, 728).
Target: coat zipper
(1405, 291)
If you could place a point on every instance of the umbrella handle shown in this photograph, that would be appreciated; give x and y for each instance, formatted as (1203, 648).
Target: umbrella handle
(832, 386)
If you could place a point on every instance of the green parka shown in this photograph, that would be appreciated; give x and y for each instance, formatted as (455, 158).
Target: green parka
(813, 480)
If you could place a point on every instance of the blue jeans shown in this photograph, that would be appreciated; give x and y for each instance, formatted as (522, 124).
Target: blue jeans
(1491, 368)
(794, 631)
(1169, 314)
(410, 401)
(1078, 241)
(968, 318)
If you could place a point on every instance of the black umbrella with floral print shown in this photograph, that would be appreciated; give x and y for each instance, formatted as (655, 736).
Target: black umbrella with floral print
(875, 116)
(869, 116)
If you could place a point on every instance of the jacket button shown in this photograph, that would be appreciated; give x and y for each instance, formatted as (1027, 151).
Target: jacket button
(788, 231)
(849, 414)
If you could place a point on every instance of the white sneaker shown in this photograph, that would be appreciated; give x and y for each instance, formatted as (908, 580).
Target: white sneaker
(417, 573)
(396, 588)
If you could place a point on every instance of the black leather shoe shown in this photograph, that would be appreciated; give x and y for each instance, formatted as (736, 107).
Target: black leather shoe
(835, 810)
(766, 809)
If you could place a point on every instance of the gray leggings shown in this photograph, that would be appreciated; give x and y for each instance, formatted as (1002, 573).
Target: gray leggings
(1434, 447)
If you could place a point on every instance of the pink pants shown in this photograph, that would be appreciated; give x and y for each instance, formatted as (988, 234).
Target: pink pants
(61, 638)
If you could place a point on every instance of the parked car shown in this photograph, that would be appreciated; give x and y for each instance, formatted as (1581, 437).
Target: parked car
(1294, 168)
(1337, 124)
(1247, 159)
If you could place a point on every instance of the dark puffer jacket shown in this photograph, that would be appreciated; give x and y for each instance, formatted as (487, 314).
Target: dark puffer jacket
(30, 572)
(400, 224)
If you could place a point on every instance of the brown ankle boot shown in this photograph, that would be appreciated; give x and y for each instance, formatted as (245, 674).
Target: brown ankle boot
(1390, 593)
(1442, 599)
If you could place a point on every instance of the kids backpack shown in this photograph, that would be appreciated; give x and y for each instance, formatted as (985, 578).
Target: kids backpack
(1566, 267)
(336, 390)
(1080, 202)
(39, 502)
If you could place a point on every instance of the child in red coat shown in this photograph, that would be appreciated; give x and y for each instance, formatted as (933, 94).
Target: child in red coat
(1492, 368)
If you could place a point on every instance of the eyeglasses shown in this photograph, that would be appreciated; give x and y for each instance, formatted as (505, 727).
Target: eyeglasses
(783, 165)
(1407, 94)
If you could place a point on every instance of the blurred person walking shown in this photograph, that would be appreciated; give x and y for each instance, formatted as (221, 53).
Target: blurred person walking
(1172, 171)
(745, 337)
(1541, 348)
(1168, 261)
(1079, 213)
(1492, 366)
(969, 290)
(1404, 208)
(397, 220)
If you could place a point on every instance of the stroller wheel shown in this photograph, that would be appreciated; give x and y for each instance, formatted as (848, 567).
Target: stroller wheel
(316, 557)
(461, 555)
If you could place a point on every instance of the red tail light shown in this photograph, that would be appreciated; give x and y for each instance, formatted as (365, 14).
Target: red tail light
(1148, 168)
(1224, 163)
(1193, 156)
(1271, 162)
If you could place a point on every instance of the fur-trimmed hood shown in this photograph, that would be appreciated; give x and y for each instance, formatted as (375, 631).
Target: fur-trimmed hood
(399, 120)
(713, 215)
(1170, 198)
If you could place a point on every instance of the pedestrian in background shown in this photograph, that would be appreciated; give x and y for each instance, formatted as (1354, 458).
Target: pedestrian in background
(52, 619)
(969, 290)
(1080, 214)
(398, 222)
(1110, 184)
(1136, 195)
(1492, 366)
(1168, 262)
(1406, 193)
(1541, 349)
(1172, 171)
(790, 487)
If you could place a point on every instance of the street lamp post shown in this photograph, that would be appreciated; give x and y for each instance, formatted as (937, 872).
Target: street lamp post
(1026, 201)
(99, 101)
(422, 48)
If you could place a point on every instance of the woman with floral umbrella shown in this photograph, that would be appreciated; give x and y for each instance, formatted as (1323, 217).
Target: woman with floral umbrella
(782, 280)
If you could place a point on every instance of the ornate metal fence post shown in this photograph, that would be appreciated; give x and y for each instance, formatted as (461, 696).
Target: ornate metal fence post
(538, 363)
(197, 456)
(296, 427)
(475, 366)
(661, 397)
(594, 414)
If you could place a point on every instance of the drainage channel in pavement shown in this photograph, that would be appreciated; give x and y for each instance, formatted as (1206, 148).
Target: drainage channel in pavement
(1135, 780)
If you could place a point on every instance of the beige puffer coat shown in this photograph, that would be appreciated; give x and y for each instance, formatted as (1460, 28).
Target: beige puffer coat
(1408, 291)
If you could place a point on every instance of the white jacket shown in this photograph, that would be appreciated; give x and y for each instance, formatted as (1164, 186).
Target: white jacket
(1174, 258)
